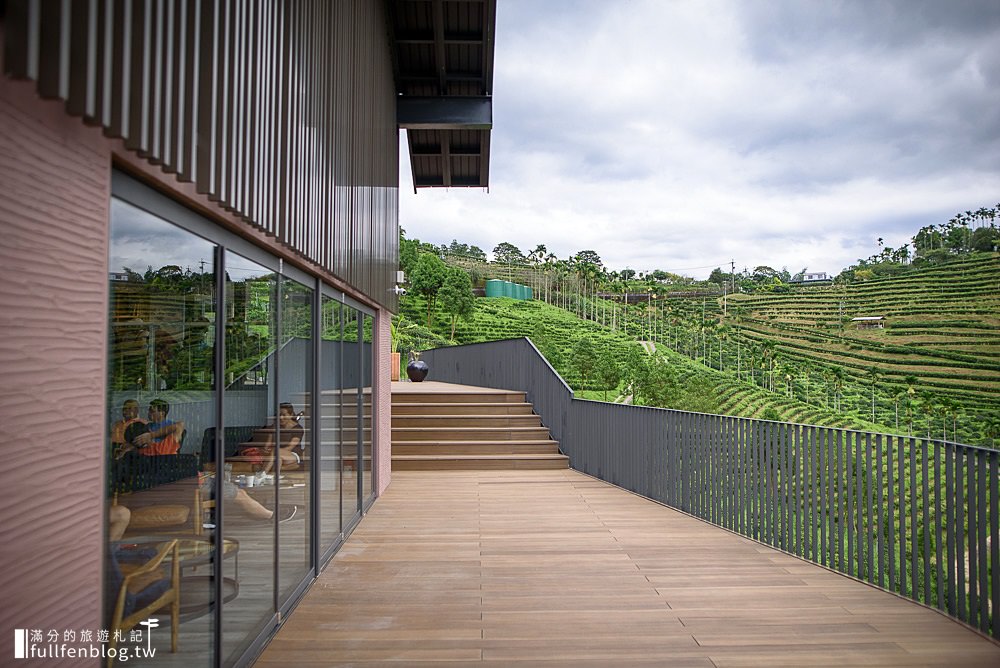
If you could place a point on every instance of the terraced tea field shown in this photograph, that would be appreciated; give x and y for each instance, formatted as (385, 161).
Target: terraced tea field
(940, 343)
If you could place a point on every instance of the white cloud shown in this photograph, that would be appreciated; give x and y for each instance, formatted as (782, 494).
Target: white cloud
(679, 135)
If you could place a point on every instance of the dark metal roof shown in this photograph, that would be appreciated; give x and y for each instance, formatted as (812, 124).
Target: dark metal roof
(443, 63)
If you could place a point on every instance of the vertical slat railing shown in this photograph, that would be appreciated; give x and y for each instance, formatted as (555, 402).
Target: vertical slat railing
(918, 517)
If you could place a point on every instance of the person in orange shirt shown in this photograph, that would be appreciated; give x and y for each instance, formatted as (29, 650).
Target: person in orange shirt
(130, 415)
(162, 435)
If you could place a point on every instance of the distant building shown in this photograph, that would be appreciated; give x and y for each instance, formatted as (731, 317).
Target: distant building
(869, 322)
(815, 276)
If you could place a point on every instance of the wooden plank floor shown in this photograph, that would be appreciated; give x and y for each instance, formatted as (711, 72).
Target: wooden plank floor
(556, 568)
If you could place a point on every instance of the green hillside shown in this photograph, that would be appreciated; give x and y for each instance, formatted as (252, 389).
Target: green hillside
(933, 370)
(556, 331)
(935, 363)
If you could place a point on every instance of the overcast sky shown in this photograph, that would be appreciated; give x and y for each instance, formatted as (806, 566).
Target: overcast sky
(681, 135)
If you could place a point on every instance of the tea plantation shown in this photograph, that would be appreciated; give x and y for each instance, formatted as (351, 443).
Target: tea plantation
(932, 369)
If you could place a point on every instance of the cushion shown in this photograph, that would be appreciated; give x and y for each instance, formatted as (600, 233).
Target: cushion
(151, 517)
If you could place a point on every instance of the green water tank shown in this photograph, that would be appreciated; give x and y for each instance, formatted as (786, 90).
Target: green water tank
(522, 291)
(508, 289)
(530, 293)
(494, 288)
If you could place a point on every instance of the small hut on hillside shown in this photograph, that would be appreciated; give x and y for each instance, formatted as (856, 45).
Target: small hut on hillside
(869, 322)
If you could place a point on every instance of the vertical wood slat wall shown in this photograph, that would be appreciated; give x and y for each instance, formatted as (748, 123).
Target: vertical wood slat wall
(282, 111)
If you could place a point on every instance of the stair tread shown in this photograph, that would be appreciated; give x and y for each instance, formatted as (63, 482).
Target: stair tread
(469, 428)
(504, 441)
(488, 430)
(439, 416)
(460, 403)
(546, 455)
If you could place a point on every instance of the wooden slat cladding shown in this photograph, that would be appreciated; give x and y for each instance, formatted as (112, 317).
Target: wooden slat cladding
(283, 112)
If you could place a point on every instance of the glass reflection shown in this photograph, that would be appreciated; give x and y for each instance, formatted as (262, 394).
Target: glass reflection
(295, 365)
(330, 407)
(251, 456)
(366, 407)
(161, 396)
(351, 373)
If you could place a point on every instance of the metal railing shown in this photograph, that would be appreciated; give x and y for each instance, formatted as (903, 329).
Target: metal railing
(914, 516)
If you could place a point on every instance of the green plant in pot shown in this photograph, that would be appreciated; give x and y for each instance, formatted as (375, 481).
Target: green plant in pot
(396, 336)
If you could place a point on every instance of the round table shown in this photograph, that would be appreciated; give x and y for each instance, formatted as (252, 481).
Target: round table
(194, 551)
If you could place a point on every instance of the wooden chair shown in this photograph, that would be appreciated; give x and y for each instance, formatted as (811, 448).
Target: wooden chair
(141, 593)
(204, 511)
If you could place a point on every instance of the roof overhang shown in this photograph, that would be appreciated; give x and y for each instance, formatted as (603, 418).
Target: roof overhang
(443, 61)
(444, 113)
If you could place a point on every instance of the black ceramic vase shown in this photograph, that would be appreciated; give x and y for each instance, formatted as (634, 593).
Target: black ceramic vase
(417, 370)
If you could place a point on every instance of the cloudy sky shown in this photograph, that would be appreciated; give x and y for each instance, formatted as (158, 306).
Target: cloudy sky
(681, 135)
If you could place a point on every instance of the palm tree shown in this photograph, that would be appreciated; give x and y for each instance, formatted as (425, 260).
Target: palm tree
(873, 378)
(786, 372)
(911, 391)
(991, 430)
(753, 354)
(896, 398)
(838, 376)
(807, 368)
(769, 353)
(723, 333)
(932, 409)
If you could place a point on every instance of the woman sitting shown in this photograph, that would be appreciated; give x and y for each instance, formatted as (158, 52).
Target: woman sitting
(290, 433)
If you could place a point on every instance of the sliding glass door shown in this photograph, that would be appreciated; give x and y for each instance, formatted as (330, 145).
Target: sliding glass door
(162, 395)
(239, 412)
(251, 324)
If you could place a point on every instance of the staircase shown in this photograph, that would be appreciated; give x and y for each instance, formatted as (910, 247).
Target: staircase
(440, 426)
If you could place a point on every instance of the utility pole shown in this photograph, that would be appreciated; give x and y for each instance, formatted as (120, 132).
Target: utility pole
(732, 281)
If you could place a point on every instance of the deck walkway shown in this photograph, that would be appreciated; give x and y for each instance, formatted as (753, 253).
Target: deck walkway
(556, 567)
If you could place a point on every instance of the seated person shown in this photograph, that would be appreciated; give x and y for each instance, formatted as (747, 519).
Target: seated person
(235, 497)
(290, 450)
(118, 519)
(130, 416)
(119, 516)
(162, 436)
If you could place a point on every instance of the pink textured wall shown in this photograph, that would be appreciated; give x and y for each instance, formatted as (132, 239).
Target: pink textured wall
(54, 195)
(383, 400)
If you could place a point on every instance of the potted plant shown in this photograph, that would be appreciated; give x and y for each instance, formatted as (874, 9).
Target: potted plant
(396, 335)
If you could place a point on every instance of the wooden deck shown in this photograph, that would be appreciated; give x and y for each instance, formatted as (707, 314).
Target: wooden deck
(554, 567)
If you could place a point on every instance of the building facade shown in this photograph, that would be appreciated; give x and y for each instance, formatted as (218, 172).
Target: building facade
(198, 254)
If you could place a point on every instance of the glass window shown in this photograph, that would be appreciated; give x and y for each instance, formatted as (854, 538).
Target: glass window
(161, 398)
(368, 327)
(167, 494)
(351, 374)
(250, 434)
(331, 407)
(295, 372)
